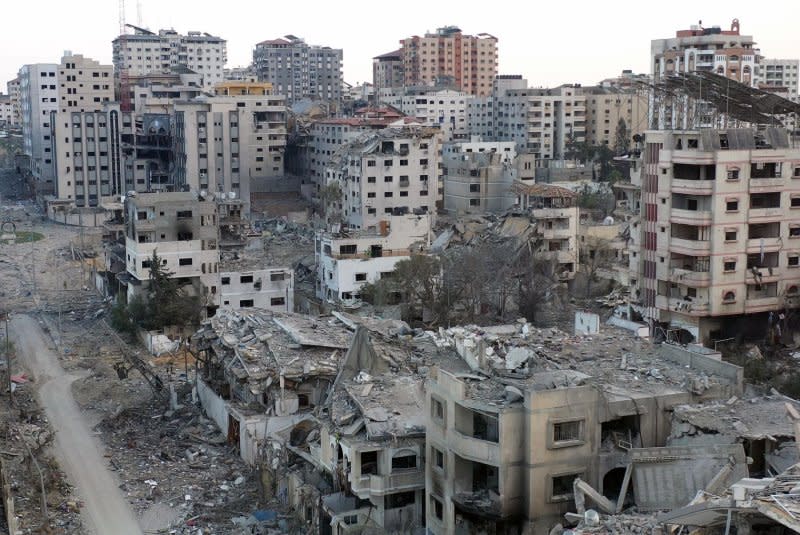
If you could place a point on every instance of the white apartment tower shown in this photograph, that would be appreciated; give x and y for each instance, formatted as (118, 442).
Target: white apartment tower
(38, 104)
(145, 52)
(779, 73)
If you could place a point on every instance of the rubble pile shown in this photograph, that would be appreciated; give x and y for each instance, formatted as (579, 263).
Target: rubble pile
(286, 243)
(628, 524)
(176, 467)
(474, 229)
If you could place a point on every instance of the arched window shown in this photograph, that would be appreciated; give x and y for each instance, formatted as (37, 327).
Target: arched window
(729, 296)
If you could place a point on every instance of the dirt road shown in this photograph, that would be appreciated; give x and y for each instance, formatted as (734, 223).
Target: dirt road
(106, 510)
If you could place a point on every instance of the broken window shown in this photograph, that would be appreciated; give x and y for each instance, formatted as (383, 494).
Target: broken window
(141, 215)
(438, 458)
(561, 486)
(184, 261)
(401, 499)
(438, 507)
(185, 236)
(347, 249)
(184, 214)
(437, 408)
(474, 188)
(404, 461)
(245, 279)
(278, 276)
(226, 280)
(277, 301)
(369, 462)
(361, 277)
(246, 303)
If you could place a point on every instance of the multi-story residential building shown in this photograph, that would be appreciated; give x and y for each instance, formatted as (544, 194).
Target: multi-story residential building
(298, 70)
(13, 89)
(716, 249)
(503, 452)
(240, 74)
(605, 106)
(391, 171)
(38, 104)
(723, 52)
(224, 142)
(626, 80)
(478, 176)
(84, 84)
(779, 73)
(348, 259)
(387, 70)
(448, 57)
(540, 121)
(555, 210)
(268, 289)
(444, 108)
(145, 52)
(6, 111)
(156, 93)
(329, 135)
(182, 229)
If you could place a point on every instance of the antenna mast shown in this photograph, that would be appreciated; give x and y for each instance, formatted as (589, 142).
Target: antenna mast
(124, 80)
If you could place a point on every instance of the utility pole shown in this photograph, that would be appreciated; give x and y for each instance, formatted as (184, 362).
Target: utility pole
(8, 361)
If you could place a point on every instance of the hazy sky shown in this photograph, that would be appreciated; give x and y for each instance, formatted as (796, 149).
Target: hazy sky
(548, 42)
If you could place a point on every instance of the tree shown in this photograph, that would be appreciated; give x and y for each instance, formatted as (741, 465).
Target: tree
(596, 254)
(603, 155)
(622, 138)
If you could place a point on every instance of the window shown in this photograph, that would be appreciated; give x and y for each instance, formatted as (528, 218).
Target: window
(729, 297)
(561, 487)
(729, 265)
(370, 163)
(184, 261)
(796, 173)
(347, 249)
(245, 279)
(245, 303)
(139, 215)
(387, 179)
(370, 180)
(474, 188)
(403, 162)
(226, 281)
(794, 260)
(732, 205)
(438, 508)
(388, 194)
(794, 231)
(387, 163)
(730, 235)
(437, 408)
(360, 277)
(733, 174)
(401, 499)
(277, 302)
(184, 214)
(567, 433)
(406, 461)
(795, 202)
(474, 202)
(277, 276)
(438, 458)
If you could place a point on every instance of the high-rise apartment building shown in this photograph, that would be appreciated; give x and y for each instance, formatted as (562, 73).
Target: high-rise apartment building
(224, 142)
(84, 84)
(606, 106)
(387, 70)
(717, 246)
(724, 52)
(450, 58)
(38, 104)
(444, 108)
(6, 111)
(779, 73)
(298, 70)
(539, 121)
(12, 86)
(145, 52)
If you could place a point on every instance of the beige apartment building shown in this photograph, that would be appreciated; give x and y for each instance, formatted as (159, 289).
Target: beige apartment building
(13, 89)
(85, 84)
(605, 106)
(448, 57)
(717, 247)
(226, 141)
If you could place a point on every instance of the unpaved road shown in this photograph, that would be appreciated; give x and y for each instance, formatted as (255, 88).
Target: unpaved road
(105, 510)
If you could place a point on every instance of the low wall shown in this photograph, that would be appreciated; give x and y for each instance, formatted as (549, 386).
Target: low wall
(89, 219)
(708, 364)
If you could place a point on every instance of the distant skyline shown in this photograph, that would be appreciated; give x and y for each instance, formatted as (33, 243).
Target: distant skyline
(552, 44)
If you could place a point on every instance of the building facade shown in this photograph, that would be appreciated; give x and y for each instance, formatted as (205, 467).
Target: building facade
(13, 89)
(145, 52)
(605, 107)
(85, 84)
(448, 57)
(267, 289)
(716, 249)
(347, 260)
(298, 70)
(6, 111)
(443, 108)
(390, 172)
(779, 73)
(38, 104)
(387, 70)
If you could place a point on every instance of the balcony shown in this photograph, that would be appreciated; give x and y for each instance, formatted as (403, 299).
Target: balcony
(690, 278)
(690, 247)
(765, 275)
(676, 304)
(761, 215)
(757, 245)
(758, 185)
(761, 304)
(381, 485)
(692, 187)
(476, 449)
(691, 217)
(557, 233)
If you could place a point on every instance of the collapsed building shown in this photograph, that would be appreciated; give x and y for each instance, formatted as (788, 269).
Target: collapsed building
(365, 425)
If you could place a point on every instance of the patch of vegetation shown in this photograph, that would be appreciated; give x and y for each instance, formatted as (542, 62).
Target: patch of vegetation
(24, 236)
